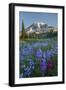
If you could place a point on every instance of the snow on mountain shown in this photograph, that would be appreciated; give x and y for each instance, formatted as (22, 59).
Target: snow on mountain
(38, 27)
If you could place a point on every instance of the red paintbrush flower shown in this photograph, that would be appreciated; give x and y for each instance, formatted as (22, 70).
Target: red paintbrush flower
(50, 65)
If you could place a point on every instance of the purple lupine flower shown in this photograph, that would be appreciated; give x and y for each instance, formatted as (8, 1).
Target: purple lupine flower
(43, 65)
(27, 51)
(30, 49)
(44, 55)
(48, 54)
(31, 64)
(39, 53)
(27, 72)
(55, 49)
(21, 57)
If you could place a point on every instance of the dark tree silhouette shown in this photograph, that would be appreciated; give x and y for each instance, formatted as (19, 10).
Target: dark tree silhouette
(23, 33)
(23, 29)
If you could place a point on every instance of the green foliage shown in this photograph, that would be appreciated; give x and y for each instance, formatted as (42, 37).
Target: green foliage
(23, 33)
(23, 28)
(51, 34)
(36, 71)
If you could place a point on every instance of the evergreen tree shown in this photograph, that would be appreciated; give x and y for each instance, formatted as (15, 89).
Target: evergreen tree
(23, 29)
(23, 33)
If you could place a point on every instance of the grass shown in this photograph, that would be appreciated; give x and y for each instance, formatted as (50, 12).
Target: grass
(35, 40)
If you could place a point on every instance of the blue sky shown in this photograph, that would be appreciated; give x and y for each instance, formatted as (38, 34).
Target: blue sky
(31, 17)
